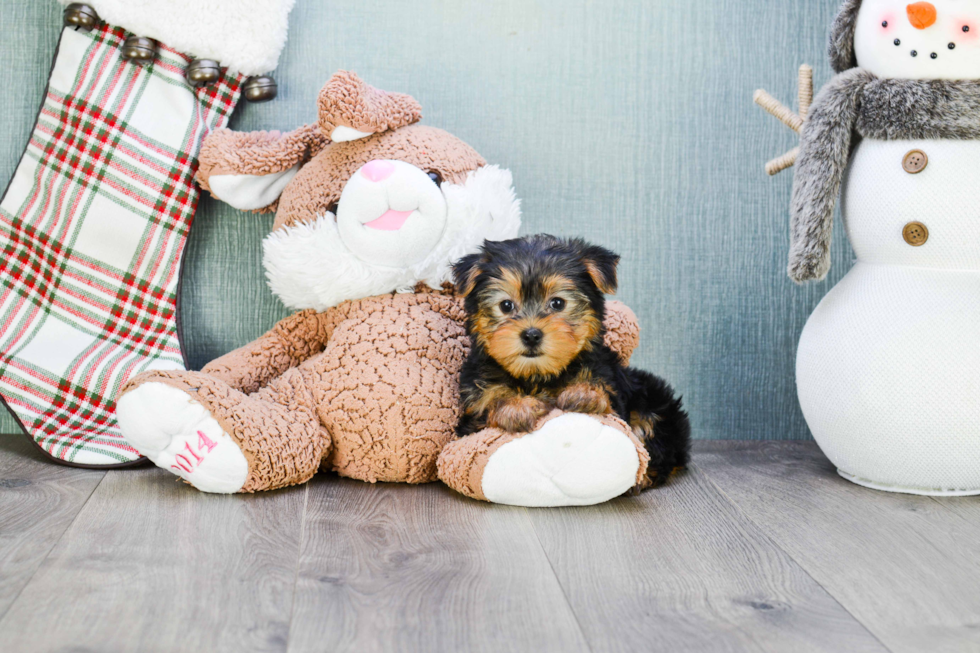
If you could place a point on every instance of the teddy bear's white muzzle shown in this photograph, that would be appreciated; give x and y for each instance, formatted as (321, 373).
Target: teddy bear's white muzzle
(391, 213)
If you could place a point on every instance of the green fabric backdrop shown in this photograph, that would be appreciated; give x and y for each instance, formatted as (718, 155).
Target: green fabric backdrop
(628, 122)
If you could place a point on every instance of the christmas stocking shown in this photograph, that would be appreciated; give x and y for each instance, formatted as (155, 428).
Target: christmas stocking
(94, 221)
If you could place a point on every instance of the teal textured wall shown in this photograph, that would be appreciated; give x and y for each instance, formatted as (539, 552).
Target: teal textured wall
(628, 122)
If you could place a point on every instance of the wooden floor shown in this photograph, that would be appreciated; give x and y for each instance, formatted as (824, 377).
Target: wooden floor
(759, 547)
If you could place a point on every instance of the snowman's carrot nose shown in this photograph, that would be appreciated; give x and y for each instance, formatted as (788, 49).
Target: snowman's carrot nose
(922, 14)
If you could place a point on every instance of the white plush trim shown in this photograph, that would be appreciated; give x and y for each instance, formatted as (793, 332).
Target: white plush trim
(573, 460)
(246, 36)
(309, 266)
(485, 207)
(251, 192)
(344, 134)
(179, 435)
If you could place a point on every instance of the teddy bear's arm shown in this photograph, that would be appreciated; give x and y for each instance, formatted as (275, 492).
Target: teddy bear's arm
(290, 342)
(622, 330)
(249, 170)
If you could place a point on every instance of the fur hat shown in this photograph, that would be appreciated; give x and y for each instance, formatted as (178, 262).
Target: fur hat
(842, 37)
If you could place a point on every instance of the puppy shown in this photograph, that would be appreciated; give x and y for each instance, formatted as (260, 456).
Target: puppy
(535, 309)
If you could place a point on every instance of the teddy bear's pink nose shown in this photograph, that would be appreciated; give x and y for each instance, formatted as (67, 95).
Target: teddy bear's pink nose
(378, 170)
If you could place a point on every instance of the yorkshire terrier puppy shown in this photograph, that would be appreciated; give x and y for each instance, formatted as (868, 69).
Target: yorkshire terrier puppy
(535, 309)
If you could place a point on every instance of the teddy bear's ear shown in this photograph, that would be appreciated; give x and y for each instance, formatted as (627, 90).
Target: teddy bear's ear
(466, 271)
(249, 170)
(350, 109)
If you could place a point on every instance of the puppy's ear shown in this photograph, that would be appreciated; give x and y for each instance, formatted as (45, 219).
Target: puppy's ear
(465, 273)
(601, 264)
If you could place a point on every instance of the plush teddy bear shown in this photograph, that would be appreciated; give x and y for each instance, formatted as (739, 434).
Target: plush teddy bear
(373, 209)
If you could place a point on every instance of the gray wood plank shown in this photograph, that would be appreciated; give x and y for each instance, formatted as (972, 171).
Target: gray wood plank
(396, 567)
(681, 569)
(151, 564)
(38, 501)
(967, 511)
(903, 565)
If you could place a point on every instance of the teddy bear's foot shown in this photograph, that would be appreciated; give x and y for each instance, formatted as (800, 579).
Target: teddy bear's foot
(570, 460)
(179, 434)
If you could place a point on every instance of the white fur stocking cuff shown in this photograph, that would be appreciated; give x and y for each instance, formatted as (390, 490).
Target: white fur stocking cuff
(246, 36)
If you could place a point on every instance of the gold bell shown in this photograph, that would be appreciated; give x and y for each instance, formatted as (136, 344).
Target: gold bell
(260, 88)
(139, 49)
(203, 72)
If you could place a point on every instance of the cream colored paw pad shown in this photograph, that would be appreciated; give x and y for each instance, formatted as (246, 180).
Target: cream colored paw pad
(179, 435)
(573, 460)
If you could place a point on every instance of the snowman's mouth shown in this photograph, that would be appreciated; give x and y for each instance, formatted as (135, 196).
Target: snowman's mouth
(915, 52)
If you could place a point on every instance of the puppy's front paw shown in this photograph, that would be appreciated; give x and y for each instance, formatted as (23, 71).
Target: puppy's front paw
(584, 398)
(518, 415)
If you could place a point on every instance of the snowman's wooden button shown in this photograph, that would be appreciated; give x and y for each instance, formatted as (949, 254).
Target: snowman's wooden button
(915, 234)
(915, 162)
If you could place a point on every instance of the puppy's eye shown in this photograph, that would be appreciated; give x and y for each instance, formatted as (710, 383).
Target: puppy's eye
(557, 304)
(507, 307)
(435, 177)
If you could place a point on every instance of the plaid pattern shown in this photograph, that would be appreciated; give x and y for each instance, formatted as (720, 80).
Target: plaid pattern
(92, 228)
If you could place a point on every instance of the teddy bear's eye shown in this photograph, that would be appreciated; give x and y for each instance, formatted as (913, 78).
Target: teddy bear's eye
(435, 177)
(507, 307)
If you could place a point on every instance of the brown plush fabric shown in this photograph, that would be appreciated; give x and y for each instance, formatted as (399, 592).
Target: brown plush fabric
(320, 182)
(347, 101)
(622, 330)
(226, 152)
(387, 386)
(369, 389)
(344, 100)
(377, 378)
(277, 429)
(290, 342)
(463, 461)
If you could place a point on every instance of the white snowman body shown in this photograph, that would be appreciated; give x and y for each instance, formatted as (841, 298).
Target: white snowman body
(888, 366)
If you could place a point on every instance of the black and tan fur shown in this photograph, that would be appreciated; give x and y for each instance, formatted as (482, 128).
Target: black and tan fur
(535, 308)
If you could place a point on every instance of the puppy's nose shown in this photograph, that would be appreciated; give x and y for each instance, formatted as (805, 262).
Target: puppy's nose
(922, 14)
(378, 170)
(531, 337)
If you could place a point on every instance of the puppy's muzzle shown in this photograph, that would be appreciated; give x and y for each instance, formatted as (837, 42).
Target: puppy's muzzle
(532, 338)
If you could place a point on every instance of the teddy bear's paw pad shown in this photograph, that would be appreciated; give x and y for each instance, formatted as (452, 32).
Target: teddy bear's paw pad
(573, 460)
(251, 192)
(179, 435)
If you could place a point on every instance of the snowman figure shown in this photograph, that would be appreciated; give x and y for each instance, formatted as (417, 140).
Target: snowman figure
(888, 366)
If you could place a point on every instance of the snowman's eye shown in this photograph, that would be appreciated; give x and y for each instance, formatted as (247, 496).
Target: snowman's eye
(934, 55)
(952, 46)
(898, 41)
